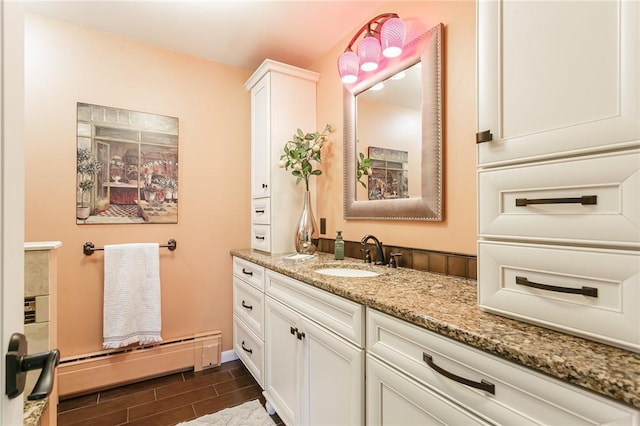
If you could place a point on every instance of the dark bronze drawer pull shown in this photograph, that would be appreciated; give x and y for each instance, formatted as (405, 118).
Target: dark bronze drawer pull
(247, 272)
(245, 348)
(482, 385)
(259, 237)
(586, 291)
(484, 136)
(260, 211)
(293, 330)
(249, 307)
(584, 200)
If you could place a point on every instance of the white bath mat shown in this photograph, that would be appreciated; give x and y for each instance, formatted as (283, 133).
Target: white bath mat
(250, 413)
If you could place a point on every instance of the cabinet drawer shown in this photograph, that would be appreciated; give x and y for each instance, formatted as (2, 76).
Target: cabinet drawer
(590, 200)
(250, 348)
(261, 211)
(608, 281)
(249, 272)
(520, 396)
(396, 399)
(248, 305)
(342, 316)
(261, 237)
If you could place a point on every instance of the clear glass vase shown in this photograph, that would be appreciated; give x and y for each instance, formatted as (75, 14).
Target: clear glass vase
(306, 238)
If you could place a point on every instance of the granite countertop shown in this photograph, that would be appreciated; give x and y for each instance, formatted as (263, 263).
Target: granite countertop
(448, 305)
(33, 411)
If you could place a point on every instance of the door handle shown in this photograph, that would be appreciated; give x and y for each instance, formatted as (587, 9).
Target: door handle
(18, 363)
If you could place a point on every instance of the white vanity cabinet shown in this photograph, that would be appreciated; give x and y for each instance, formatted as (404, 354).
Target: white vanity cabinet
(314, 354)
(415, 376)
(283, 99)
(559, 174)
(248, 316)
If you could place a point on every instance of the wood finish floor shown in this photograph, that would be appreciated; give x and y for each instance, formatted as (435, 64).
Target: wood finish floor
(166, 400)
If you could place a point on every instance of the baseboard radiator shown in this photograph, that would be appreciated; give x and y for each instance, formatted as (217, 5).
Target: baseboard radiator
(101, 370)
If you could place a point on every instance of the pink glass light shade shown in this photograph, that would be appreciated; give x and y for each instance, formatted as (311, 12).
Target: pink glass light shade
(369, 53)
(348, 64)
(392, 36)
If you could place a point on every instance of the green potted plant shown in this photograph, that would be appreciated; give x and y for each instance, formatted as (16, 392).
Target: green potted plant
(88, 168)
(363, 168)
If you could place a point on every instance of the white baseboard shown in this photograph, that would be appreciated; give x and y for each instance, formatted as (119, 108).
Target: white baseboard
(227, 356)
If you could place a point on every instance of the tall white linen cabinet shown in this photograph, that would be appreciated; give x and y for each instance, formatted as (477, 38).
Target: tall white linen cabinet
(558, 165)
(283, 99)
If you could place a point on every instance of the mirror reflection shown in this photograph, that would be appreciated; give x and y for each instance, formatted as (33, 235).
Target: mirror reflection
(389, 132)
(394, 126)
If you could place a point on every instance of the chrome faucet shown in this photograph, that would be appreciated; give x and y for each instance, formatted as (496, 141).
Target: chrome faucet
(379, 251)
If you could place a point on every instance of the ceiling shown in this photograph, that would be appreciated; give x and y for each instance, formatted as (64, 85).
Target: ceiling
(239, 33)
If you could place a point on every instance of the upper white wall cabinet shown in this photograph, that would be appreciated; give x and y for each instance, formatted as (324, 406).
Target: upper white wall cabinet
(283, 99)
(557, 78)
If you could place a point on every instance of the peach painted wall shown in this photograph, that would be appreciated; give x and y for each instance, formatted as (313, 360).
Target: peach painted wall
(66, 64)
(457, 233)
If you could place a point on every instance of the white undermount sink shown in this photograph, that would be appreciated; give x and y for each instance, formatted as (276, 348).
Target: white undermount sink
(347, 272)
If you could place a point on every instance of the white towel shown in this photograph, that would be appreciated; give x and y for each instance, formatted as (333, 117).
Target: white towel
(132, 310)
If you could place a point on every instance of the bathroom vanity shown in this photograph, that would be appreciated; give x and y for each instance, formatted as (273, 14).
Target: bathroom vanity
(411, 347)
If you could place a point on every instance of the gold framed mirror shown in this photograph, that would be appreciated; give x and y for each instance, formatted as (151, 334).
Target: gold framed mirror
(405, 125)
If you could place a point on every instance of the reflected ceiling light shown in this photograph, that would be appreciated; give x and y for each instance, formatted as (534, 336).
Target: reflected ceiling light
(377, 87)
(385, 34)
(399, 76)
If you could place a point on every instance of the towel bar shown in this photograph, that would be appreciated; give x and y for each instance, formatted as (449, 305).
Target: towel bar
(88, 247)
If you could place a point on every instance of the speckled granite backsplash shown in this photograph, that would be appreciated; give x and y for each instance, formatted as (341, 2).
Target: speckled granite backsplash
(448, 306)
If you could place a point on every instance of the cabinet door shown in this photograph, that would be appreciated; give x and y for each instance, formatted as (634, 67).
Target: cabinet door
(557, 77)
(260, 138)
(281, 360)
(332, 378)
(396, 399)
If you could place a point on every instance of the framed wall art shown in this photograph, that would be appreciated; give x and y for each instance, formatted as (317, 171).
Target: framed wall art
(127, 166)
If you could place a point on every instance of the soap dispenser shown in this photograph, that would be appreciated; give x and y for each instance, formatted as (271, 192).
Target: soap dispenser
(339, 247)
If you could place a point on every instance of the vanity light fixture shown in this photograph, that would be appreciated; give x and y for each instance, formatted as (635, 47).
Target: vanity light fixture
(384, 34)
